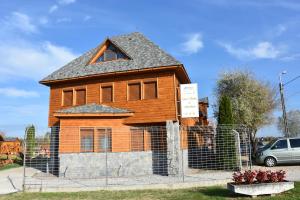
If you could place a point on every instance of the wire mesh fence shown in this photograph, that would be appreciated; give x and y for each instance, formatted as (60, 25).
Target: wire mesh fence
(122, 156)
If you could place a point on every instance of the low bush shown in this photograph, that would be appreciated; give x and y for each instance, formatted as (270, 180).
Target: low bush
(238, 177)
(281, 175)
(262, 176)
(250, 177)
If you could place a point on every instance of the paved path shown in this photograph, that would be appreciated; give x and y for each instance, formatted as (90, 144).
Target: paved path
(6, 182)
(48, 183)
(11, 180)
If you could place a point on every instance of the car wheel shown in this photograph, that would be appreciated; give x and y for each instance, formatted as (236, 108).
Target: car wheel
(270, 162)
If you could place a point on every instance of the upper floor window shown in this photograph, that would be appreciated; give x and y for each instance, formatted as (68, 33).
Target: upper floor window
(106, 94)
(150, 90)
(178, 100)
(67, 97)
(134, 91)
(80, 96)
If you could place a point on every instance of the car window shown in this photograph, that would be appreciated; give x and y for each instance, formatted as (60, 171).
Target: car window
(267, 146)
(295, 143)
(280, 144)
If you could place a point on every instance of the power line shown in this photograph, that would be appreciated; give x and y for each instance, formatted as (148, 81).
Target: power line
(291, 80)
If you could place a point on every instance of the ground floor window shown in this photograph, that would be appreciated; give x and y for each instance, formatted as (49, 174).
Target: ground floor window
(87, 139)
(95, 140)
(137, 139)
(104, 139)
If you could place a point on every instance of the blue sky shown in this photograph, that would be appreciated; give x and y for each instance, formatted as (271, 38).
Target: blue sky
(37, 37)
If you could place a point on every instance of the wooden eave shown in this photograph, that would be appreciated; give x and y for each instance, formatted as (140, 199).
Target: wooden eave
(60, 115)
(179, 69)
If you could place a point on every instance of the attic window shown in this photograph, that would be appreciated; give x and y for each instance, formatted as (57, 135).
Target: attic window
(111, 53)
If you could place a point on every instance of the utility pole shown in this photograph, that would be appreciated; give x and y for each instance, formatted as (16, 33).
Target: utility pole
(284, 116)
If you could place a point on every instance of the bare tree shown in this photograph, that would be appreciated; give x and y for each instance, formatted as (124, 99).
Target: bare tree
(253, 100)
(293, 117)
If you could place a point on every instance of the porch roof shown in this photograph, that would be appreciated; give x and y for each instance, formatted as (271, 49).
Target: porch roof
(93, 110)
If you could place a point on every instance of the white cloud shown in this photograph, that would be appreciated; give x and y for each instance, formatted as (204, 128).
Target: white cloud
(21, 57)
(260, 50)
(291, 57)
(66, 2)
(193, 43)
(265, 50)
(14, 92)
(64, 19)
(87, 17)
(286, 4)
(43, 20)
(276, 31)
(19, 21)
(31, 60)
(53, 8)
(280, 29)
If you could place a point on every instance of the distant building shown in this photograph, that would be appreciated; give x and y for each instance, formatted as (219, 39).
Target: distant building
(9, 145)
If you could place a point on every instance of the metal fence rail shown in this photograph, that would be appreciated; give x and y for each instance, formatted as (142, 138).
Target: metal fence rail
(122, 156)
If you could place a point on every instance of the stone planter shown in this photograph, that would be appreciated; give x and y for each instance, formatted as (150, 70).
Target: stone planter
(260, 188)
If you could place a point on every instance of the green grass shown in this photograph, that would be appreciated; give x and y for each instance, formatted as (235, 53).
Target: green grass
(181, 194)
(10, 166)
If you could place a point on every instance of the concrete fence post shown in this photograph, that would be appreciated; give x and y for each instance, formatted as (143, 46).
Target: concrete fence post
(238, 149)
(24, 161)
(173, 148)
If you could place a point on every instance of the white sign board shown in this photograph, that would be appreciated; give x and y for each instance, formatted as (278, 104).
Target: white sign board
(189, 100)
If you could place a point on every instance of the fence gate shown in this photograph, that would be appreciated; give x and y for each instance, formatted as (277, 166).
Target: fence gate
(101, 157)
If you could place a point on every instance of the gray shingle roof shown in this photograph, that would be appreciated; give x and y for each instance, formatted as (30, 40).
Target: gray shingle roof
(143, 53)
(93, 108)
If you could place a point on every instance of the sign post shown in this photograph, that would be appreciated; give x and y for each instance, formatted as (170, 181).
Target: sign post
(189, 100)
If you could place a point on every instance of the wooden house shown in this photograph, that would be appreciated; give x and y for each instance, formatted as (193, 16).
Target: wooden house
(101, 99)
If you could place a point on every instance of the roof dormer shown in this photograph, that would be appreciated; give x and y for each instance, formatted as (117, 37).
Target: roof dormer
(109, 52)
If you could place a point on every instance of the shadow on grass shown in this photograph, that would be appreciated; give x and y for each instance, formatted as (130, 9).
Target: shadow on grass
(218, 192)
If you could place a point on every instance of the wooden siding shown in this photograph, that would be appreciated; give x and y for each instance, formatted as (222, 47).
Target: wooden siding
(121, 134)
(145, 110)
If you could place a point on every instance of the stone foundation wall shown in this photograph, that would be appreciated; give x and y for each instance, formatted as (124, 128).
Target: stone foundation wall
(122, 164)
(93, 165)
